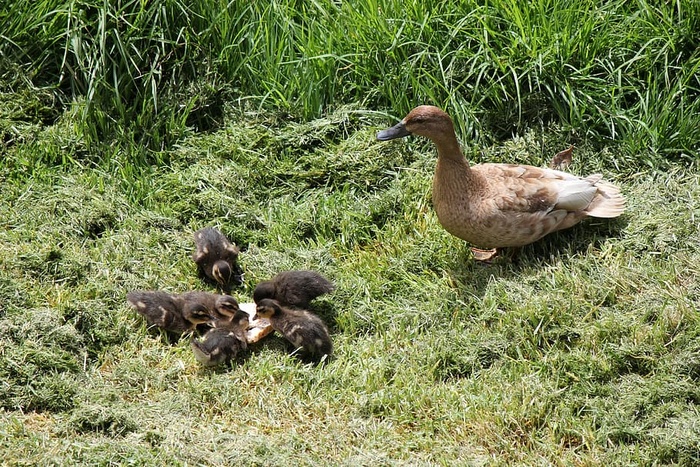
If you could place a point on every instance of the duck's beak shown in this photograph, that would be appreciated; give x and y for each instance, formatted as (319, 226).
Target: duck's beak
(397, 131)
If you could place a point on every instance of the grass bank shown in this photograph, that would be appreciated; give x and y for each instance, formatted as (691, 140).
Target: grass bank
(141, 73)
(583, 352)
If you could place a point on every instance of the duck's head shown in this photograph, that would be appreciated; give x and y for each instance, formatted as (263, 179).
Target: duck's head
(228, 310)
(267, 308)
(199, 314)
(265, 289)
(425, 120)
(222, 272)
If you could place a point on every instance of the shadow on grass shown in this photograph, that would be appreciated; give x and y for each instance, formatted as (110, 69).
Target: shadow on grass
(274, 343)
(512, 263)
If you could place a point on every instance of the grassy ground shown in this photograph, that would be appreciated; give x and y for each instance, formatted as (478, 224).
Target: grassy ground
(584, 351)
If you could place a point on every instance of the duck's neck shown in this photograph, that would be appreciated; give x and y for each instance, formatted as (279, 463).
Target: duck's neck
(448, 147)
(452, 167)
(453, 176)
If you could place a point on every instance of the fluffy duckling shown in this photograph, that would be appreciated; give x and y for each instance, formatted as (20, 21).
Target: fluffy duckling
(222, 344)
(306, 331)
(167, 311)
(220, 308)
(293, 288)
(502, 205)
(217, 257)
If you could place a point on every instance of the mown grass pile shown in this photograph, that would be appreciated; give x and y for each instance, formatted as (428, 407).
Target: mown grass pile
(128, 125)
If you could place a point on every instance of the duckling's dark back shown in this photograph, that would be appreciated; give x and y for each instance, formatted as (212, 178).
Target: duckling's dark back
(219, 346)
(294, 288)
(302, 328)
(198, 298)
(213, 248)
(159, 308)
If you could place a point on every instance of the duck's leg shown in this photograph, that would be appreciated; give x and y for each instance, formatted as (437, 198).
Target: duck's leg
(485, 256)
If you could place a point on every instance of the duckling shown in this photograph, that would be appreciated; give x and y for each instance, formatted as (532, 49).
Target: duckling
(293, 288)
(163, 310)
(494, 206)
(217, 258)
(217, 307)
(223, 343)
(306, 331)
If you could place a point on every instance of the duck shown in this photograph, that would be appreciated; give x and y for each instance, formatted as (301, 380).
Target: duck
(295, 288)
(217, 258)
(306, 331)
(221, 344)
(494, 206)
(167, 311)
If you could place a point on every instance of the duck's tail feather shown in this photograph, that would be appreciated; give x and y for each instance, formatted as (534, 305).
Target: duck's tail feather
(608, 202)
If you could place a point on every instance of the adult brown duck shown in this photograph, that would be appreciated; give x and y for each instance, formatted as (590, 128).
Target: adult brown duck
(494, 206)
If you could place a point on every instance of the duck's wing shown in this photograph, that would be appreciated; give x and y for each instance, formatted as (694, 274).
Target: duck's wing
(229, 251)
(215, 246)
(535, 190)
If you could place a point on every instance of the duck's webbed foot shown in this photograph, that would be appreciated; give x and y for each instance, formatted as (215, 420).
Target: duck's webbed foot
(485, 256)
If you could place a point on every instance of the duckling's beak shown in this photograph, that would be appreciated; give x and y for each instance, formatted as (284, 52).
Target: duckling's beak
(397, 131)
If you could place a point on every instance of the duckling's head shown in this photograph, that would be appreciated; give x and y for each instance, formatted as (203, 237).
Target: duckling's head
(267, 308)
(425, 120)
(230, 313)
(265, 289)
(241, 318)
(227, 306)
(222, 272)
(198, 315)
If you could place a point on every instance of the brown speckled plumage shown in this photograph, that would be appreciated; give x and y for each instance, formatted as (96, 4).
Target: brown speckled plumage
(222, 344)
(160, 309)
(183, 312)
(218, 307)
(503, 205)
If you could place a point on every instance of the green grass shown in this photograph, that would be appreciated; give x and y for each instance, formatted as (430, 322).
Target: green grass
(262, 121)
(584, 351)
(143, 73)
